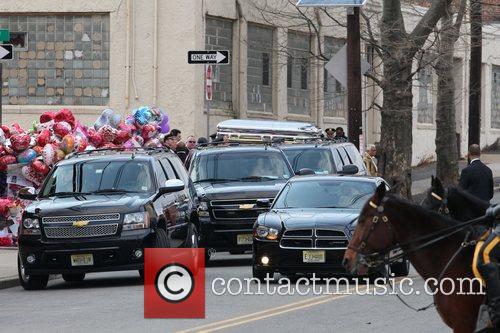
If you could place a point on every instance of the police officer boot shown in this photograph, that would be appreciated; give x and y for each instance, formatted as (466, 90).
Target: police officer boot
(491, 274)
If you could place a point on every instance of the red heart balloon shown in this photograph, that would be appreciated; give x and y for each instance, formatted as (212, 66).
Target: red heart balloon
(20, 142)
(47, 116)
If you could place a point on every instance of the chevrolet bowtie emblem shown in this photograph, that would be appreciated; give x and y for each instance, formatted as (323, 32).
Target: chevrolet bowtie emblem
(80, 224)
(247, 206)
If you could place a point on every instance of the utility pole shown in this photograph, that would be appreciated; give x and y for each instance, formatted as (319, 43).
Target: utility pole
(476, 41)
(354, 98)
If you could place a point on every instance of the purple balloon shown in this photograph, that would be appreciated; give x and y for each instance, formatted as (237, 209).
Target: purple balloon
(164, 126)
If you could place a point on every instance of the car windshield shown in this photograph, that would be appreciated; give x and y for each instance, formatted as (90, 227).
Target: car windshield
(320, 160)
(240, 166)
(325, 194)
(90, 177)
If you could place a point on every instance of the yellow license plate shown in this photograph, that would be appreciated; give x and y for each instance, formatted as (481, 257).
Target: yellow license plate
(244, 239)
(82, 260)
(313, 256)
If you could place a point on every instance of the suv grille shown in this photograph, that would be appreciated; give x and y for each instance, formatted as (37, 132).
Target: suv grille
(80, 232)
(75, 218)
(314, 238)
(243, 209)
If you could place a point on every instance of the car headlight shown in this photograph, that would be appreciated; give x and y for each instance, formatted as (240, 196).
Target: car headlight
(31, 226)
(264, 232)
(203, 209)
(135, 221)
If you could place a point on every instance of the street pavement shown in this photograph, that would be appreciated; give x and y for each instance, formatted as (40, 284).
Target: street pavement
(110, 302)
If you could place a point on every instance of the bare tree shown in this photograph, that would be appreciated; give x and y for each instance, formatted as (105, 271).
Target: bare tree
(399, 51)
(446, 143)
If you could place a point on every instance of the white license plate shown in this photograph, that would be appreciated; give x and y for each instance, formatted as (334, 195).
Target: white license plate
(313, 256)
(82, 260)
(244, 239)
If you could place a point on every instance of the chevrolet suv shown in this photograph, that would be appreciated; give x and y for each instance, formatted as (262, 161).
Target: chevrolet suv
(231, 181)
(97, 211)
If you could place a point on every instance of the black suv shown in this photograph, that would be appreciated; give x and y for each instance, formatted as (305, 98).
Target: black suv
(325, 157)
(232, 182)
(97, 211)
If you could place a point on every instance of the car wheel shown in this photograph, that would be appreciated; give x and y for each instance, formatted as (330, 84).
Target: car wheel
(78, 277)
(379, 272)
(31, 282)
(208, 255)
(401, 268)
(261, 274)
(193, 237)
(161, 239)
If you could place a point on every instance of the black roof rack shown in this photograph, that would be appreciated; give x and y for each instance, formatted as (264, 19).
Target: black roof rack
(232, 143)
(134, 150)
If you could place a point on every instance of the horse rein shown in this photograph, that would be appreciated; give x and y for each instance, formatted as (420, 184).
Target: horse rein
(379, 258)
(443, 208)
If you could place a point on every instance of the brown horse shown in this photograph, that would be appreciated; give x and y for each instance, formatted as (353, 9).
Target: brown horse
(386, 221)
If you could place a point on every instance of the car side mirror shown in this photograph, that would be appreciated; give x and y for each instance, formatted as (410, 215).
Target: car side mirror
(349, 169)
(304, 172)
(263, 203)
(172, 185)
(27, 193)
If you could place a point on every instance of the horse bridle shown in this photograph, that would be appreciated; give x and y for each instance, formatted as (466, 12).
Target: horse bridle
(375, 259)
(378, 258)
(443, 207)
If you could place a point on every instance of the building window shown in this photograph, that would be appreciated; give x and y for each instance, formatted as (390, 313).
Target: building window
(259, 71)
(495, 98)
(289, 71)
(304, 65)
(265, 69)
(335, 96)
(298, 73)
(58, 60)
(219, 36)
(425, 104)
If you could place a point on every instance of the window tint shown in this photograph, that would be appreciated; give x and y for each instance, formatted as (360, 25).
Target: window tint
(355, 157)
(168, 169)
(325, 194)
(319, 160)
(160, 174)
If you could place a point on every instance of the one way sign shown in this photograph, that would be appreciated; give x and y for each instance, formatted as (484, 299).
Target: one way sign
(6, 51)
(208, 57)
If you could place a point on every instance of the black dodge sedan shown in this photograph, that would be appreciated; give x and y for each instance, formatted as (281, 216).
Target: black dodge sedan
(309, 225)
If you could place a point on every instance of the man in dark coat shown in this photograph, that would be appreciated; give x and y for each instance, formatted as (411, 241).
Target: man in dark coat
(477, 178)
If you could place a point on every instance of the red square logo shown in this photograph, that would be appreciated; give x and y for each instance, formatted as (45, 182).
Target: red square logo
(174, 283)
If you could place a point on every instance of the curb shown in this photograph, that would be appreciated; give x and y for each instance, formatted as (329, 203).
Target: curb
(13, 281)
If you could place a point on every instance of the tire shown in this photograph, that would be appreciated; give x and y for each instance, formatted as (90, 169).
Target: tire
(74, 277)
(261, 274)
(401, 268)
(161, 239)
(379, 272)
(31, 282)
(193, 241)
(207, 256)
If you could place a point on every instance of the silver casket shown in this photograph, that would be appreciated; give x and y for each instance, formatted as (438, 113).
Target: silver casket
(267, 130)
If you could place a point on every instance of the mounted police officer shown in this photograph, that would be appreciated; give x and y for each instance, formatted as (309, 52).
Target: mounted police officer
(486, 267)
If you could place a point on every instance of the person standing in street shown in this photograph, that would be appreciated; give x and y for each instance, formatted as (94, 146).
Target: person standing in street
(477, 178)
(370, 160)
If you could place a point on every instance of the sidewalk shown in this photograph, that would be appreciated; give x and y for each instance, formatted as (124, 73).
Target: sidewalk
(421, 176)
(8, 267)
(421, 182)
